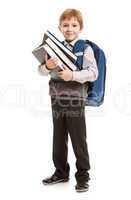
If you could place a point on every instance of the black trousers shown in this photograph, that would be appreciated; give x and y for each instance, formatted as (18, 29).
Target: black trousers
(69, 119)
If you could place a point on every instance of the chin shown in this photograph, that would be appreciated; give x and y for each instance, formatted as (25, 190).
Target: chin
(70, 39)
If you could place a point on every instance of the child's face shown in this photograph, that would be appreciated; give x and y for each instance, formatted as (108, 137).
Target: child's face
(70, 28)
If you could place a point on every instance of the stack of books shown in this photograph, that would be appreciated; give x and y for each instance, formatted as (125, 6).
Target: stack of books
(55, 48)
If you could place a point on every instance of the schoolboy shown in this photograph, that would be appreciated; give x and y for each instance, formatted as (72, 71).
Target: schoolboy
(68, 90)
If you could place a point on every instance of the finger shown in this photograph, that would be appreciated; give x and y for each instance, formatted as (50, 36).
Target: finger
(60, 76)
(54, 59)
(63, 66)
(55, 63)
(66, 68)
(59, 69)
(60, 73)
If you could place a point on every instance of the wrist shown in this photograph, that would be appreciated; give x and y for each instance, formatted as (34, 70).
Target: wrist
(47, 67)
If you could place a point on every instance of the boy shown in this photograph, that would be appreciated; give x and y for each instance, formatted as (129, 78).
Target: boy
(68, 90)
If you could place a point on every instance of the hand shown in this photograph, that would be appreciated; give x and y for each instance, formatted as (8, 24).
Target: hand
(66, 74)
(51, 63)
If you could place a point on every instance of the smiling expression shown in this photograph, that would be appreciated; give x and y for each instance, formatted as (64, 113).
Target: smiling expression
(70, 28)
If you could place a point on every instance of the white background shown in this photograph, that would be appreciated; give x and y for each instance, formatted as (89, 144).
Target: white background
(25, 114)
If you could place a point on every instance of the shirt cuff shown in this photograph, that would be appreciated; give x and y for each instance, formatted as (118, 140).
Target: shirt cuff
(43, 68)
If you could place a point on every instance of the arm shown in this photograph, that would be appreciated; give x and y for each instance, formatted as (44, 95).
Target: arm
(89, 71)
(43, 70)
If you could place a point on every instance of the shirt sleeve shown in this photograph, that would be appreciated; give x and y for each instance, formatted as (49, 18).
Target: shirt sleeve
(90, 70)
(42, 69)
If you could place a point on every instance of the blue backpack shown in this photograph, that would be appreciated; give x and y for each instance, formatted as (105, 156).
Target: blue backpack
(96, 89)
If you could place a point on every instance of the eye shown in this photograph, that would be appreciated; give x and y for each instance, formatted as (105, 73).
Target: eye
(65, 25)
(74, 25)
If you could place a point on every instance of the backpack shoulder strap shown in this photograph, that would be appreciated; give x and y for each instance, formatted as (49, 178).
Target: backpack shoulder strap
(78, 50)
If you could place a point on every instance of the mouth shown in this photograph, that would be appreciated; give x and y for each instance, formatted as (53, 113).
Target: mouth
(69, 33)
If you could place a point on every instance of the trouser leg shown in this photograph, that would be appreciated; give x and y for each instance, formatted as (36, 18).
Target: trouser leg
(60, 141)
(77, 130)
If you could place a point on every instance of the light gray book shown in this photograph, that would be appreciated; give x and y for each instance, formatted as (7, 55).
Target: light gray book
(40, 53)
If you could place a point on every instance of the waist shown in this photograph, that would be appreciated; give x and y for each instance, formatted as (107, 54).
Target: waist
(67, 88)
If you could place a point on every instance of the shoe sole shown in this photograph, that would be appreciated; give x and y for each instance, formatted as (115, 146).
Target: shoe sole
(55, 182)
(82, 190)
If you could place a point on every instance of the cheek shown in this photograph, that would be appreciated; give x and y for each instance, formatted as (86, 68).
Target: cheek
(78, 32)
(63, 29)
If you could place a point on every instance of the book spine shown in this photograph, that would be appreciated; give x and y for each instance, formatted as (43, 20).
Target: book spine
(61, 54)
(55, 40)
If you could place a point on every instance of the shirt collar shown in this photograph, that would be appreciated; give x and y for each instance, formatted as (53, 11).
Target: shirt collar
(72, 43)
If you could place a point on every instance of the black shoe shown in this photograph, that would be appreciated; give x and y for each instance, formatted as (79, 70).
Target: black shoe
(53, 180)
(82, 187)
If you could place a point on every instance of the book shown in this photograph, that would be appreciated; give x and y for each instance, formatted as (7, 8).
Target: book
(42, 50)
(60, 54)
(67, 51)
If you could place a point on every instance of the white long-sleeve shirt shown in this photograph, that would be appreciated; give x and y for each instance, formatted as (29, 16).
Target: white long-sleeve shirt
(89, 70)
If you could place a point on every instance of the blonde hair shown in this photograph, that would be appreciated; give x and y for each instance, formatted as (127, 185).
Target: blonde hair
(69, 13)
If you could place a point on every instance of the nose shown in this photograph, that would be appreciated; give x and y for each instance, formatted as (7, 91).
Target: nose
(69, 28)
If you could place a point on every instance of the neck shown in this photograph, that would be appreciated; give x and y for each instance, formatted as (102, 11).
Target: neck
(68, 41)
